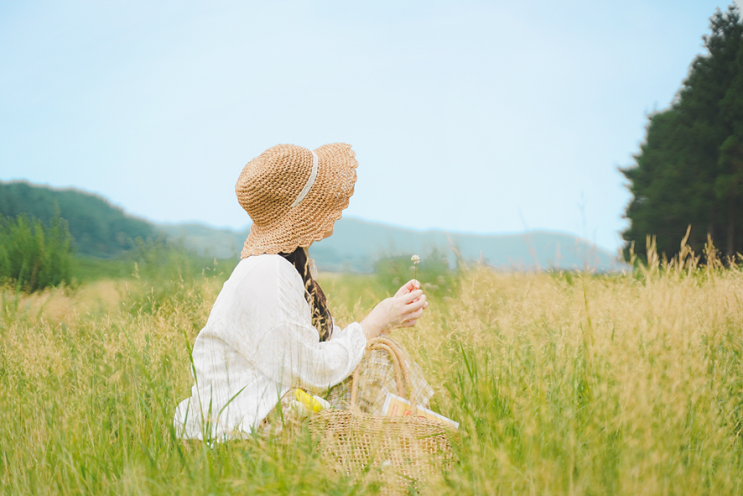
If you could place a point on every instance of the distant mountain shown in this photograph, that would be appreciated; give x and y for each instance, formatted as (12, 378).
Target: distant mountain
(209, 241)
(356, 244)
(99, 228)
(103, 230)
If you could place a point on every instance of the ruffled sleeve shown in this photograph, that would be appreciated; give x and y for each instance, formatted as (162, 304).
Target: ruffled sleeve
(285, 346)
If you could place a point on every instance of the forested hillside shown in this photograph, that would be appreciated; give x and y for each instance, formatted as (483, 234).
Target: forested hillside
(98, 228)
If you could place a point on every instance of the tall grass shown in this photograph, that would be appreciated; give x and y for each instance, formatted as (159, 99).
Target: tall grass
(34, 256)
(563, 384)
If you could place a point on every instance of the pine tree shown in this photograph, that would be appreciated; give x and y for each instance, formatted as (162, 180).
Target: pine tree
(689, 171)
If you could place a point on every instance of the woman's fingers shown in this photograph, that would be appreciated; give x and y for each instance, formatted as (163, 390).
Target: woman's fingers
(412, 307)
(411, 297)
(401, 311)
(417, 314)
(393, 312)
(409, 286)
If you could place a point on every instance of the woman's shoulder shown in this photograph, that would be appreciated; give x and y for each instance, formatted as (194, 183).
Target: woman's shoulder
(265, 262)
(264, 268)
(265, 281)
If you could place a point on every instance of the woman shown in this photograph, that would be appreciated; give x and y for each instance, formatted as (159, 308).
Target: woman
(270, 329)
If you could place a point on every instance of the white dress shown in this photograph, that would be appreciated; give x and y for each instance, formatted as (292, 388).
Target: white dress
(257, 344)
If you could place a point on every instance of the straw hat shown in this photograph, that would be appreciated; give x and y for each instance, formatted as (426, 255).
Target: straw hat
(294, 195)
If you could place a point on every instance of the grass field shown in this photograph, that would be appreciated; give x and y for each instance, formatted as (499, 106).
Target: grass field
(563, 384)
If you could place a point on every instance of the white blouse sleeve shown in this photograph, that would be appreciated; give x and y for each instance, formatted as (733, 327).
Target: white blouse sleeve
(287, 347)
(335, 331)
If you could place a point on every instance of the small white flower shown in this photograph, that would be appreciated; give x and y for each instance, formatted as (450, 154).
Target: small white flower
(415, 259)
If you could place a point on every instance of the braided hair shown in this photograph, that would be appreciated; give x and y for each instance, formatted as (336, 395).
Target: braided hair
(321, 318)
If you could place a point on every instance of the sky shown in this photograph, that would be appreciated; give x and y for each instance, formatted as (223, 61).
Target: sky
(467, 116)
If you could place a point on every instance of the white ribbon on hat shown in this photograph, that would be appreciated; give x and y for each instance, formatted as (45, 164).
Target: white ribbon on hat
(310, 181)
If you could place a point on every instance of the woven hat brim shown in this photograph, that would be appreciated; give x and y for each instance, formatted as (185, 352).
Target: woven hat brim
(315, 216)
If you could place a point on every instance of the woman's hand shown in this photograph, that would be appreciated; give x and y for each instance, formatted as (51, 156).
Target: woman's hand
(402, 310)
(410, 286)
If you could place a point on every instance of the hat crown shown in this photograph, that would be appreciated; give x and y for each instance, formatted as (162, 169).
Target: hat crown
(269, 184)
(294, 195)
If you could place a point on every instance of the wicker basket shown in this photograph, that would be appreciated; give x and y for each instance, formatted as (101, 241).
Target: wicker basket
(402, 451)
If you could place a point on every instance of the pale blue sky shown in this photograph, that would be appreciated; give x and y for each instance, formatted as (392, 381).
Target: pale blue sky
(485, 117)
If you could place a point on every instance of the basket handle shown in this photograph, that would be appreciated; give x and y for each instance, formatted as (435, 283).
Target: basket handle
(402, 374)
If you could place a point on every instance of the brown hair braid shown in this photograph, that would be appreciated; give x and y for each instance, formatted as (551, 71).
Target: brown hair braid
(321, 318)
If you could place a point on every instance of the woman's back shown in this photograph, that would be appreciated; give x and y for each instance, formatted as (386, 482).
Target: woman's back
(258, 342)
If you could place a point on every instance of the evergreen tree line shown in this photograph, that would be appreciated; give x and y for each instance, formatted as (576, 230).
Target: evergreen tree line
(689, 171)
